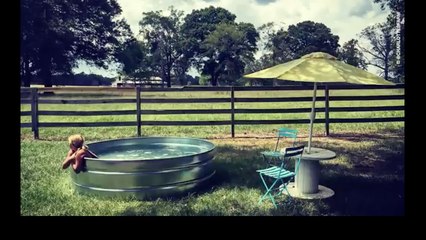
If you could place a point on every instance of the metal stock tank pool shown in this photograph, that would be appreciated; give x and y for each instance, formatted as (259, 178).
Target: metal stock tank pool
(146, 168)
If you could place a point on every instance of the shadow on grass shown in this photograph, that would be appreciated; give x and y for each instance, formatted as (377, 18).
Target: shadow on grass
(367, 177)
(236, 167)
(365, 196)
(379, 156)
(372, 181)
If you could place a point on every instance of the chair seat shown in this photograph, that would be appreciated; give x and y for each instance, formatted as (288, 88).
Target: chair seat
(276, 172)
(277, 161)
(272, 154)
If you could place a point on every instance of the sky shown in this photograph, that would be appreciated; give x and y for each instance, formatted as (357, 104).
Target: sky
(345, 18)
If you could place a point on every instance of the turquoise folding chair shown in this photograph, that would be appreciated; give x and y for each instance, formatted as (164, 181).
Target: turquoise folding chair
(281, 173)
(273, 157)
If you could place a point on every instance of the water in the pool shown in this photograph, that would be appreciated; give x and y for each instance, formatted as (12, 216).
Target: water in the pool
(150, 151)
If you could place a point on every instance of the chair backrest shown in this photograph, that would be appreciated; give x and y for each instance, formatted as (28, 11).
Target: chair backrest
(293, 153)
(286, 133)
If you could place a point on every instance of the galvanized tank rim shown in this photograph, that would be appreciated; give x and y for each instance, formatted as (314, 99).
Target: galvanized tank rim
(212, 148)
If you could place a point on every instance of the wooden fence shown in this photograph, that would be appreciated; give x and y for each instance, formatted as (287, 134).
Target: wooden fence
(35, 101)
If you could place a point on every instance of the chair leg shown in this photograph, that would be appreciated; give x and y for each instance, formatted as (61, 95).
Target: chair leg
(268, 191)
(266, 187)
(263, 181)
(285, 187)
(280, 190)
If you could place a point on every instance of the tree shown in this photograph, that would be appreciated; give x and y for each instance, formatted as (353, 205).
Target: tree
(383, 48)
(197, 26)
(396, 19)
(298, 40)
(135, 60)
(226, 51)
(162, 33)
(280, 45)
(219, 46)
(55, 34)
(350, 54)
(308, 36)
(267, 50)
(393, 5)
(204, 80)
(200, 23)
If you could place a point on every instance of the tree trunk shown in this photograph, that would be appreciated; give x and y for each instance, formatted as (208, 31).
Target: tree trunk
(386, 66)
(46, 74)
(214, 80)
(386, 70)
(46, 65)
(386, 59)
(26, 74)
(165, 72)
(167, 77)
(401, 54)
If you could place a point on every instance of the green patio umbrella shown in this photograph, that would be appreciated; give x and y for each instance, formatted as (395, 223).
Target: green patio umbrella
(318, 67)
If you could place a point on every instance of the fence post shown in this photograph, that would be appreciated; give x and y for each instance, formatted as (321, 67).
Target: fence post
(34, 112)
(232, 113)
(327, 116)
(138, 109)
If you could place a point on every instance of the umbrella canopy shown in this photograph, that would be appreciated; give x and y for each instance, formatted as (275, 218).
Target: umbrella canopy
(321, 68)
(318, 67)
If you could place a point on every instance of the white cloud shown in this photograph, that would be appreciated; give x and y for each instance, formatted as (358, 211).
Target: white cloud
(345, 18)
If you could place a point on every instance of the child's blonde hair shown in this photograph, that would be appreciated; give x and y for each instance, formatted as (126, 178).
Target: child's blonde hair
(77, 140)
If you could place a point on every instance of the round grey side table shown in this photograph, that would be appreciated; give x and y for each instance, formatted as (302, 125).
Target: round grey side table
(306, 183)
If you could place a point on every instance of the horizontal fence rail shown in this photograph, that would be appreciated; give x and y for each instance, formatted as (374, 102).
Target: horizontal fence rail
(213, 89)
(32, 96)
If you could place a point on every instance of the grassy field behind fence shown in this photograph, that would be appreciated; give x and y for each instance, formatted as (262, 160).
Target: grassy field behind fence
(211, 131)
(367, 175)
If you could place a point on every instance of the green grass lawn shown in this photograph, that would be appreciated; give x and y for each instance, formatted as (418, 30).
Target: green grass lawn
(367, 175)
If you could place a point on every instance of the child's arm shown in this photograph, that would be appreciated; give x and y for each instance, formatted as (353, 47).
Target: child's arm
(68, 159)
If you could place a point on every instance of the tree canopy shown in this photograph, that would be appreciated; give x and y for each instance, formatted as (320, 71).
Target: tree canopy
(219, 47)
(135, 61)
(226, 51)
(351, 54)
(165, 42)
(308, 36)
(57, 33)
(298, 40)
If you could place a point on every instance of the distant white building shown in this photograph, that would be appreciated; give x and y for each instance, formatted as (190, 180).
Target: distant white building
(127, 82)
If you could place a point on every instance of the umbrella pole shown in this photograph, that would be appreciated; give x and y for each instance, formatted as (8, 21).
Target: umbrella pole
(311, 125)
